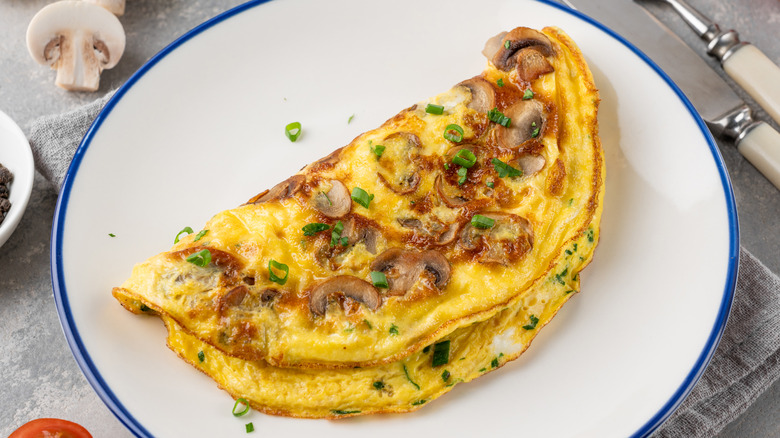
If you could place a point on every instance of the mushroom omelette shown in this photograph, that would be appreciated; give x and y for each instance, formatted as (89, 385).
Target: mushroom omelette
(428, 251)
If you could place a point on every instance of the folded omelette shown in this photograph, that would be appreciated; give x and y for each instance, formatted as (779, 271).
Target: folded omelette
(423, 254)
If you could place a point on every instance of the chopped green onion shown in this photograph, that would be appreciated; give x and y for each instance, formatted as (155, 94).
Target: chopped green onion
(293, 131)
(535, 132)
(201, 258)
(419, 402)
(378, 150)
(406, 372)
(342, 412)
(504, 169)
(528, 94)
(273, 264)
(441, 353)
(361, 197)
(494, 363)
(250, 427)
(201, 356)
(112, 234)
(427, 349)
(379, 385)
(335, 235)
(187, 230)
(445, 376)
(379, 279)
(349, 120)
(490, 184)
(370, 327)
(483, 222)
(462, 173)
(446, 166)
(506, 44)
(244, 411)
(500, 82)
(498, 117)
(453, 133)
(314, 228)
(465, 158)
(200, 235)
(532, 325)
(393, 329)
(434, 109)
(144, 308)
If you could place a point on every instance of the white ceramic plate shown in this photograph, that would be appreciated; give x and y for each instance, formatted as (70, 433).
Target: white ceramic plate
(15, 154)
(200, 129)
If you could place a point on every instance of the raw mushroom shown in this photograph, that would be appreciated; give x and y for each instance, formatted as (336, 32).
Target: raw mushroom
(527, 119)
(509, 239)
(518, 39)
(403, 267)
(116, 7)
(79, 40)
(397, 167)
(353, 287)
(483, 96)
(336, 203)
(283, 190)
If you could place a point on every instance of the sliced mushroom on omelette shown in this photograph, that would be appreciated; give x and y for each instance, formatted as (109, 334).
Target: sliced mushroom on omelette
(451, 211)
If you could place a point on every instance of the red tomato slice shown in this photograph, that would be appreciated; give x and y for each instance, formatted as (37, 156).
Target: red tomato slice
(50, 428)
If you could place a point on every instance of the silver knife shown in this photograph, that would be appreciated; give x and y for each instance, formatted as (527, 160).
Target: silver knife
(725, 113)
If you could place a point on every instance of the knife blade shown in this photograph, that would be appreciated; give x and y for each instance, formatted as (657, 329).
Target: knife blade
(724, 112)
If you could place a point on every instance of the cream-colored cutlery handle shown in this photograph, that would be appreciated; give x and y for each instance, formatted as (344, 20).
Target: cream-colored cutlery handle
(757, 75)
(761, 146)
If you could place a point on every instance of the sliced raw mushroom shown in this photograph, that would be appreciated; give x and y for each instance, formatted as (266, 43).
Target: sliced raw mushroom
(283, 190)
(530, 163)
(483, 96)
(403, 268)
(352, 287)
(397, 168)
(116, 7)
(79, 40)
(511, 43)
(531, 64)
(527, 123)
(336, 203)
(509, 238)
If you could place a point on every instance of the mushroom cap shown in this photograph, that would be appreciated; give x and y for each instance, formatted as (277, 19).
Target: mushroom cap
(69, 19)
(483, 95)
(403, 267)
(519, 38)
(337, 203)
(527, 116)
(353, 287)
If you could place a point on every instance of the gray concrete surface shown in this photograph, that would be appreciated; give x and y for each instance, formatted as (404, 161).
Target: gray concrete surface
(38, 374)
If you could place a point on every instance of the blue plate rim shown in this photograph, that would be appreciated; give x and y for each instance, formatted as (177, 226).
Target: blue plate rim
(96, 380)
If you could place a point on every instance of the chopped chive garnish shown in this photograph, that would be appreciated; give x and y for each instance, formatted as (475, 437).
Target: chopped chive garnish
(506, 44)
(465, 158)
(244, 408)
(326, 197)
(445, 376)
(535, 132)
(532, 325)
(349, 120)
(200, 235)
(441, 353)
(250, 427)
(500, 82)
(377, 150)
(427, 349)
(144, 308)
(528, 94)
(498, 117)
(335, 235)
(343, 412)
(453, 133)
(185, 230)
(201, 258)
(201, 356)
(446, 166)
(419, 402)
(344, 241)
(112, 234)
(490, 184)
(393, 329)
(505, 170)
(406, 372)
(379, 279)
(273, 264)
(293, 131)
(494, 363)
(361, 197)
(462, 174)
(314, 228)
(370, 327)
(379, 385)
(434, 109)
(483, 222)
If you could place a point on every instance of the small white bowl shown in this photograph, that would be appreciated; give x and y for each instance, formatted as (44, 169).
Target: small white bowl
(15, 154)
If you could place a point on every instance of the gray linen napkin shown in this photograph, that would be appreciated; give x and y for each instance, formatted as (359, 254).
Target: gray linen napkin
(746, 362)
